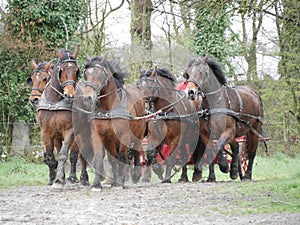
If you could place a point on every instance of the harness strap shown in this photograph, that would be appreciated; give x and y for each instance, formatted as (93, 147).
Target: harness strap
(240, 99)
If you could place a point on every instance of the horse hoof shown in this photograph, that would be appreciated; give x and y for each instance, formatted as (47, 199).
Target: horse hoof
(73, 180)
(167, 181)
(183, 180)
(57, 186)
(246, 178)
(146, 179)
(196, 177)
(211, 180)
(234, 174)
(224, 169)
(116, 185)
(95, 189)
(135, 176)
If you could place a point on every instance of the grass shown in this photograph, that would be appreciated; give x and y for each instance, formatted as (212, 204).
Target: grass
(17, 172)
(275, 186)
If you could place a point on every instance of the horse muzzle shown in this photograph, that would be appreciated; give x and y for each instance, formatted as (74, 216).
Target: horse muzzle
(68, 98)
(88, 100)
(34, 101)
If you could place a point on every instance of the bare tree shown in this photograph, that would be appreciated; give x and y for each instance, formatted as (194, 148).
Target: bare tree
(94, 33)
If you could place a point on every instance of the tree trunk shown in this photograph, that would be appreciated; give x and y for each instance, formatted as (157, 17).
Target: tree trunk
(141, 44)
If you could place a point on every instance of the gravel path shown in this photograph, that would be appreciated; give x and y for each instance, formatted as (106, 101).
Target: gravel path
(177, 203)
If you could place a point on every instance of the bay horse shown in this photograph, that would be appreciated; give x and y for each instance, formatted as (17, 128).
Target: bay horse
(54, 113)
(177, 122)
(230, 112)
(113, 119)
(38, 80)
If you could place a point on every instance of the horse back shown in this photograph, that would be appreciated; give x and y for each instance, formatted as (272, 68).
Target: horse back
(251, 101)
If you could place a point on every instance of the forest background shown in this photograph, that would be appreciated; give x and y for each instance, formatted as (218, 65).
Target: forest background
(164, 33)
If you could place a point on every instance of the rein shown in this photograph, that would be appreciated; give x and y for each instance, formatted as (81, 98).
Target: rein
(157, 88)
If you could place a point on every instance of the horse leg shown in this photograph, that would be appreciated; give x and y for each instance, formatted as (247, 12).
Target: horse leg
(211, 167)
(170, 162)
(51, 162)
(234, 171)
(84, 177)
(137, 170)
(197, 159)
(73, 160)
(223, 163)
(62, 157)
(122, 161)
(251, 152)
(97, 164)
(184, 159)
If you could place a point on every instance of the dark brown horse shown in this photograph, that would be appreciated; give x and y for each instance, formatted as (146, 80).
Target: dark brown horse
(113, 119)
(176, 124)
(38, 80)
(229, 112)
(54, 113)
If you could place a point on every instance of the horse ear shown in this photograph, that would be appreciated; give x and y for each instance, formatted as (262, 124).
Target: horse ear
(59, 54)
(205, 58)
(140, 69)
(104, 58)
(34, 65)
(75, 54)
(88, 58)
(154, 71)
(29, 81)
(47, 66)
(186, 76)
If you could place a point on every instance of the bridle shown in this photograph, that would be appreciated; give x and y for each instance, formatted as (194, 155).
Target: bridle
(59, 69)
(155, 89)
(67, 82)
(201, 84)
(35, 88)
(101, 75)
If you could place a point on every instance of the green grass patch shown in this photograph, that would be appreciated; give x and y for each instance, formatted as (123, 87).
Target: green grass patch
(17, 172)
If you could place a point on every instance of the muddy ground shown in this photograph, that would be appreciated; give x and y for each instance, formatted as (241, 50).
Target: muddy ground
(143, 203)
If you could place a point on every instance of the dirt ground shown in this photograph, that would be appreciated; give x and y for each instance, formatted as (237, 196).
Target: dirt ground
(143, 203)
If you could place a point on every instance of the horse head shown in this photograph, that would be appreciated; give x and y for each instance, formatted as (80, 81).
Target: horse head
(148, 84)
(196, 75)
(96, 76)
(38, 79)
(157, 86)
(204, 76)
(67, 72)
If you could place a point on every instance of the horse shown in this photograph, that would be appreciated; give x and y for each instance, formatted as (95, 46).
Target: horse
(38, 80)
(114, 123)
(54, 113)
(175, 122)
(228, 112)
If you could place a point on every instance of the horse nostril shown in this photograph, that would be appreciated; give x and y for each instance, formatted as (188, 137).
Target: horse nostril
(34, 101)
(87, 100)
(191, 93)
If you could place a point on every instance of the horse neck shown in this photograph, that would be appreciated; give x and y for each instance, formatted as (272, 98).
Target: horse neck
(53, 91)
(168, 97)
(110, 95)
(214, 94)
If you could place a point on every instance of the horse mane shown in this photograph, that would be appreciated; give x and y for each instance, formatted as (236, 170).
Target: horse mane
(217, 69)
(67, 54)
(41, 66)
(213, 65)
(113, 65)
(161, 72)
